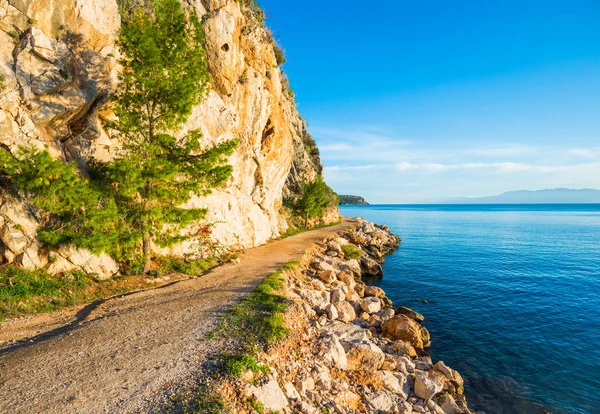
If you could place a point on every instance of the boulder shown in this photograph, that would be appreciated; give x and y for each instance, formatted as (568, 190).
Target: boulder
(338, 295)
(382, 401)
(333, 351)
(405, 328)
(347, 278)
(453, 376)
(315, 298)
(346, 311)
(404, 348)
(363, 356)
(347, 332)
(448, 404)
(386, 315)
(402, 310)
(426, 387)
(397, 383)
(370, 305)
(374, 291)
(326, 276)
(269, 395)
(332, 312)
(370, 266)
(334, 246)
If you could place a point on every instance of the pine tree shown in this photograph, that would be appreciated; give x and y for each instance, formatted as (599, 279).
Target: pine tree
(164, 75)
(72, 210)
(317, 196)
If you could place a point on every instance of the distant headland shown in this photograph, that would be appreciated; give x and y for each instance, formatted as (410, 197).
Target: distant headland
(348, 200)
(549, 196)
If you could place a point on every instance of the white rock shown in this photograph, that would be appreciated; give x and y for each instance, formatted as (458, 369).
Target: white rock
(370, 305)
(395, 382)
(332, 312)
(426, 387)
(334, 352)
(269, 394)
(382, 401)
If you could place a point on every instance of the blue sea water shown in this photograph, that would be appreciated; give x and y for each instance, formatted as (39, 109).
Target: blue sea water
(514, 298)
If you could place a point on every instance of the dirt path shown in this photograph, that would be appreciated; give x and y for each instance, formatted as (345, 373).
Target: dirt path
(128, 348)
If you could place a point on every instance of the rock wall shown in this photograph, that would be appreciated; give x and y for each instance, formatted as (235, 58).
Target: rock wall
(59, 67)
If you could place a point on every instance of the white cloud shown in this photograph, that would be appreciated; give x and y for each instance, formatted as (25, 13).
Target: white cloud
(585, 152)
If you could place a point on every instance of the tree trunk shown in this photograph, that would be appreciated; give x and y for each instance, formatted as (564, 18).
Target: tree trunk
(147, 245)
(306, 222)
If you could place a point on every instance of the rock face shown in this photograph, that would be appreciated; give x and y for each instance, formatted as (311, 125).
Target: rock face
(60, 67)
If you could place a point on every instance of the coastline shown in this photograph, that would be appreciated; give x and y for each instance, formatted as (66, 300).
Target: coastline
(349, 350)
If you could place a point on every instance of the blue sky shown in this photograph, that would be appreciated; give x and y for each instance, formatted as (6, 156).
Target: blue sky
(412, 101)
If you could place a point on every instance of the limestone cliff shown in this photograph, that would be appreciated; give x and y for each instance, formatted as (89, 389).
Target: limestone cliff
(59, 67)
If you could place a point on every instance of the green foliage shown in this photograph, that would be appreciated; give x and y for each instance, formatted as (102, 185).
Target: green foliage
(24, 290)
(256, 405)
(258, 318)
(317, 196)
(279, 54)
(76, 210)
(164, 75)
(236, 365)
(201, 400)
(194, 267)
(351, 252)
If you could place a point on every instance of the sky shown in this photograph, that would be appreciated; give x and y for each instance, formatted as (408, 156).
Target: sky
(416, 101)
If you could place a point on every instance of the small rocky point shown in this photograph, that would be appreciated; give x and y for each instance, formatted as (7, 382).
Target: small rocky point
(349, 350)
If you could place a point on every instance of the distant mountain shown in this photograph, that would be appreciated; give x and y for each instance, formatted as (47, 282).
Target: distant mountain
(550, 196)
(352, 200)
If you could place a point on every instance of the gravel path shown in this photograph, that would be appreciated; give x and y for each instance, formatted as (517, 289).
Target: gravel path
(128, 349)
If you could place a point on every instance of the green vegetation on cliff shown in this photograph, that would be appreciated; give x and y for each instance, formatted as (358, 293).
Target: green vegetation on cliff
(136, 200)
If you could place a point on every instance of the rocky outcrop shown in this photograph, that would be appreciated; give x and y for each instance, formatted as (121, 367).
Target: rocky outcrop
(357, 363)
(352, 200)
(60, 66)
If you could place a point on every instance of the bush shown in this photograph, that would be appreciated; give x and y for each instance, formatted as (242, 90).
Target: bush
(194, 267)
(236, 365)
(279, 54)
(351, 252)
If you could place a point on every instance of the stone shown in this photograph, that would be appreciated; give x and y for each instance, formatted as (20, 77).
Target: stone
(448, 405)
(322, 377)
(386, 315)
(370, 266)
(363, 355)
(404, 348)
(347, 332)
(352, 266)
(405, 328)
(333, 351)
(334, 246)
(426, 387)
(359, 288)
(269, 395)
(348, 399)
(346, 312)
(370, 305)
(332, 312)
(347, 278)
(321, 265)
(338, 295)
(396, 383)
(452, 375)
(402, 310)
(326, 276)
(331, 253)
(374, 291)
(382, 401)
(290, 391)
(316, 299)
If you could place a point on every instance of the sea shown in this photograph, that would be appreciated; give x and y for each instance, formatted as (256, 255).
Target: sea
(510, 294)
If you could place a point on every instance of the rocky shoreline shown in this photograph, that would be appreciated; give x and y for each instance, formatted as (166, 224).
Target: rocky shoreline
(349, 350)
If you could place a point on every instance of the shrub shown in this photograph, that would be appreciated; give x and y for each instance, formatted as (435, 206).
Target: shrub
(279, 54)
(236, 365)
(351, 252)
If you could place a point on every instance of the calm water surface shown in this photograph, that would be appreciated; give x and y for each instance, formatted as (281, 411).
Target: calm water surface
(514, 296)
